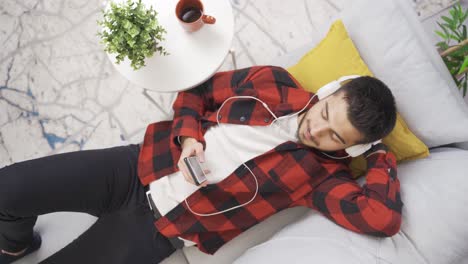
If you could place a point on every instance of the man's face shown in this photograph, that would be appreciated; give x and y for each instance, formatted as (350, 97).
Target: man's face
(328, 123)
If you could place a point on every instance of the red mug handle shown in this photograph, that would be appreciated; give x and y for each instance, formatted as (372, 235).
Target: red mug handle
(208, 19)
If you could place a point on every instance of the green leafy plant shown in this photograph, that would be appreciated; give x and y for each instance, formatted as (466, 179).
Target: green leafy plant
(129, 29)
(455, 56)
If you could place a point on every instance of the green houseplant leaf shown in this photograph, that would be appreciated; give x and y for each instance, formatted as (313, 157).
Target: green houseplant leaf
(455, 56)
(131, 30)
(464, 65)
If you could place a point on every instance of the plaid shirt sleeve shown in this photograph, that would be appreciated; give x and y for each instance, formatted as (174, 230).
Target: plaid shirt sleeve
(190, 105)
(374, 209)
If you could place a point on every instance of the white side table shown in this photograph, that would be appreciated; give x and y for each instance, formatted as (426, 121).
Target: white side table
(194, 57)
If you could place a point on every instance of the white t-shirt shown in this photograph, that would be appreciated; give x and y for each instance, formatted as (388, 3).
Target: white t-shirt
(227, 147)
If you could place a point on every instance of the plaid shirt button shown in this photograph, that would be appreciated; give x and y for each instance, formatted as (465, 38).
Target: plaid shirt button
(266, 119)
(242, 119)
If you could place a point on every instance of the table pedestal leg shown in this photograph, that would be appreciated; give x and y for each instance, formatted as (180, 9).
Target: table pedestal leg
(233, 57)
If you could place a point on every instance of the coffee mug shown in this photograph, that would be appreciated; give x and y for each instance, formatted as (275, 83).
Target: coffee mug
(191, 16)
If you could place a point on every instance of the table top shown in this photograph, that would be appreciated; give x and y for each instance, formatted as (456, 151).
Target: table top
(194, 56)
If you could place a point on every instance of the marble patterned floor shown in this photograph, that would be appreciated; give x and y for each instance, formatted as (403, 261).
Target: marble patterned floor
(59, 92)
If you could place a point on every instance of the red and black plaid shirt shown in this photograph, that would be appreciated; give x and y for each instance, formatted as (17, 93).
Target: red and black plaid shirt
(291, 174)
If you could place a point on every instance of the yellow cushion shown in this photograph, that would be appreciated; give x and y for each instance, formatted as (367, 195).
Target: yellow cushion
(336, 56)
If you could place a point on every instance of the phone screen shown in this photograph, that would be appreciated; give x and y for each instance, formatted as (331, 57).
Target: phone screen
(195, 169)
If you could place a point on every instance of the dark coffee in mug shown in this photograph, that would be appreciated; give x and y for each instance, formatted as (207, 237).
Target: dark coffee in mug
(190, 14)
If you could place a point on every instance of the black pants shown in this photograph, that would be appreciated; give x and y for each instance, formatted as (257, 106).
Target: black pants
(100, 182)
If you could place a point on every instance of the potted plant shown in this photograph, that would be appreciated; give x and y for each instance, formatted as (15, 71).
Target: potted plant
(131, 30)
(455, 56)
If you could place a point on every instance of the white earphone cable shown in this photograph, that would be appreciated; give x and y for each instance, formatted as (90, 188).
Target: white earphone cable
(333, 157)
(256, 181)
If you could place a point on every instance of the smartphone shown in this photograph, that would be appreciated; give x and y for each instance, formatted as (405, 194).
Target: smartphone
(195, 169)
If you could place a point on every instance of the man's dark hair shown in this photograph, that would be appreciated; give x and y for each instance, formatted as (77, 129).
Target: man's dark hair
(371, 107)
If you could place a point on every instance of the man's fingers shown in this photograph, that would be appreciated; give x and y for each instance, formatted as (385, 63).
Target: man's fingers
(195, 149)
(200, 152)
(187, 152)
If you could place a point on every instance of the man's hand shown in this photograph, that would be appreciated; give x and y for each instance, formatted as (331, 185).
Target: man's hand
(191, 147)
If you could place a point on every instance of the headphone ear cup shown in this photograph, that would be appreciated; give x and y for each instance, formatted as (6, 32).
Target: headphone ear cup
(357, 150)
(360, 149)
(328, 89)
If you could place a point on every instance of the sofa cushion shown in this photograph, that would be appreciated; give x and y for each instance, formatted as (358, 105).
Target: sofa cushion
(330, 59)
(434, 191)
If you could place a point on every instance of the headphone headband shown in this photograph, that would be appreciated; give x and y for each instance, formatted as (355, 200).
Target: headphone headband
(347, 77)
(333, 86)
